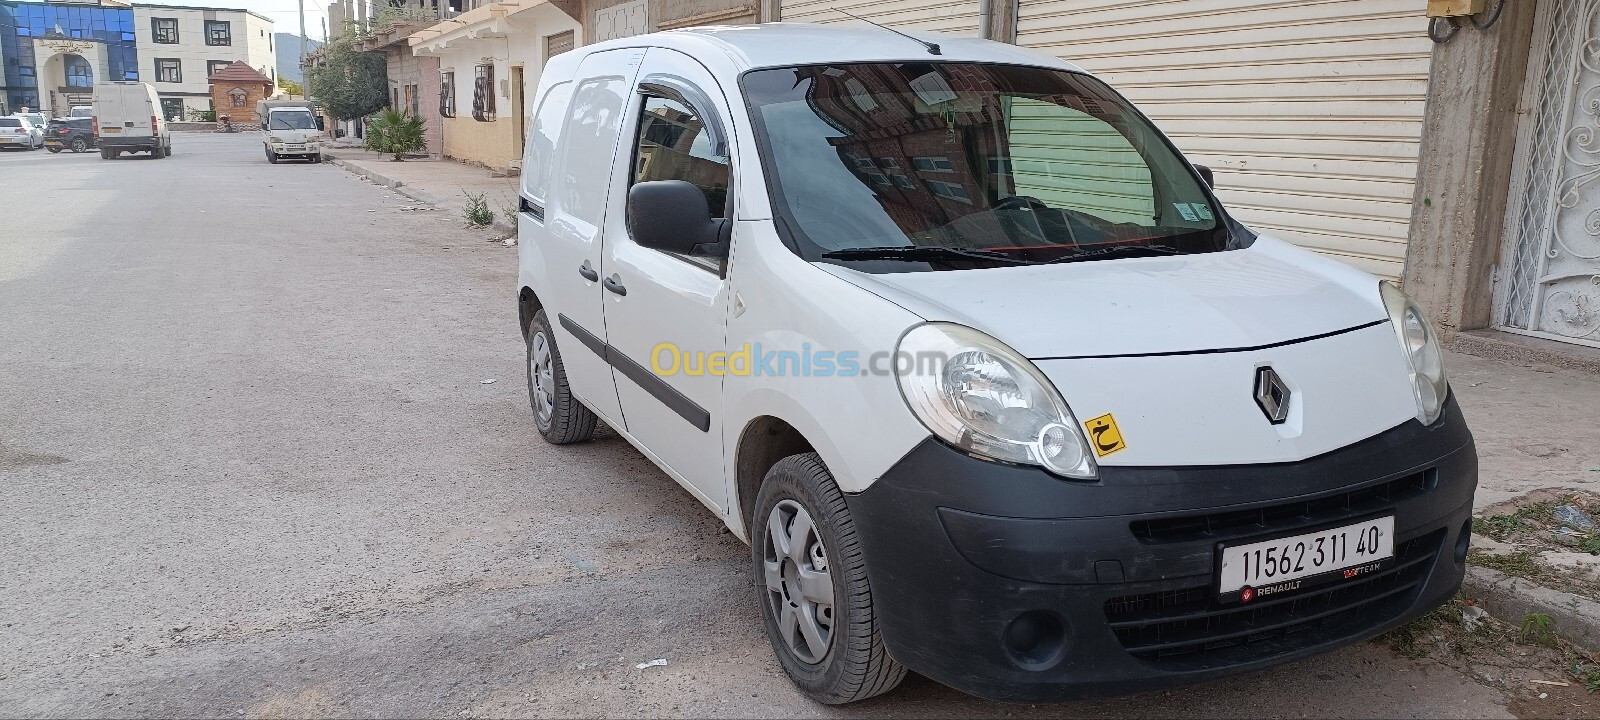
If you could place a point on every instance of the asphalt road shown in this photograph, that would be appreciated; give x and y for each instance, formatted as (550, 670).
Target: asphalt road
(250, 465)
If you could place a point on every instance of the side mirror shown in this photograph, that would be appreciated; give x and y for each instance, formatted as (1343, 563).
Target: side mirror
(320, 123)
(1205, 174)
(672, 216)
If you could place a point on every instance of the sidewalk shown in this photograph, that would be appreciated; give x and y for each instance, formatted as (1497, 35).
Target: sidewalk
(1536, 427)
(441, 183)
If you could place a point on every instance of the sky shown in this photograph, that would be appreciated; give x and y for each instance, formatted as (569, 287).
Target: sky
(284, 13)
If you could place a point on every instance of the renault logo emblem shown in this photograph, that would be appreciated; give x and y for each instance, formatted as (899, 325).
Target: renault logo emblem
(1272, 395)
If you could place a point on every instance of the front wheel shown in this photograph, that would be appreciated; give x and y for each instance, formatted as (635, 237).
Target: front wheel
(561, 419)
(811, 576)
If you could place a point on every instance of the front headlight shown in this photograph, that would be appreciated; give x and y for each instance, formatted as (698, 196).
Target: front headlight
(274, 138)
(1421, 348)
(975, 393)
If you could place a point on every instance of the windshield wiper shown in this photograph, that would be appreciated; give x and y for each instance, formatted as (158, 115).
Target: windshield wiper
(1116, 250)
(916, 253)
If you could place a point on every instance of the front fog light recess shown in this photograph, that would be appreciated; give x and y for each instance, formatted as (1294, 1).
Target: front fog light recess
(978, 395)
(1421, 347)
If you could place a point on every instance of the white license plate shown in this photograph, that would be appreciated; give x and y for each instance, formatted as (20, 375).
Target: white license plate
(1286, 564)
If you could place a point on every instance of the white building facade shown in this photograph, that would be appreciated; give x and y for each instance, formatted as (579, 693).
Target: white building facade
(180, 46)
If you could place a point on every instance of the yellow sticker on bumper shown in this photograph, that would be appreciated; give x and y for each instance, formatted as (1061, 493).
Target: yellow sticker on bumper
(1104, 435)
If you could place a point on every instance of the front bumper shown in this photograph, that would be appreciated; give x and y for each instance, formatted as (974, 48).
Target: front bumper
(295, 149)
(1012, 584)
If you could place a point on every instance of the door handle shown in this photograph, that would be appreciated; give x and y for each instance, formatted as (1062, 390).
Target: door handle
(587, 272)
(613, 285)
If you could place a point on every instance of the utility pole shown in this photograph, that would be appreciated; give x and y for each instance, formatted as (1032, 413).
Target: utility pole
(302, 4)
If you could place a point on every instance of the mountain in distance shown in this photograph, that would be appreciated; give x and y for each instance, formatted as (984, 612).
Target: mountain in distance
(287, 46)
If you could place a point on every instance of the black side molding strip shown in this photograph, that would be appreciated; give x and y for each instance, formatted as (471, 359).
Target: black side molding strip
(1296, 341)
(641, 376)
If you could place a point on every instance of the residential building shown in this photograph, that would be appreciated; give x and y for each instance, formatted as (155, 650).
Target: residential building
(489, 60)
(384, 27)
(181, 46)
(235, 90)
(51, 54)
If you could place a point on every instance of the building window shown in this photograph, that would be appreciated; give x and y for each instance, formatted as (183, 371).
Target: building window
(933, 164)
(238, 97)
(953, 191)
(79, 74)
(164, 30)
(212, 66)
(483, 93)
(219, 32)
(168, 70)
(447, 94)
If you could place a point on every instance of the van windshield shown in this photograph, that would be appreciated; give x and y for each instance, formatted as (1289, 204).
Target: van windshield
(293, 120)
(900, 167)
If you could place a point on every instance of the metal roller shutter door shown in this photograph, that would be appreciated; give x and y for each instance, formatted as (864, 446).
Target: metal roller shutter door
(957, 17)
(1310, 111)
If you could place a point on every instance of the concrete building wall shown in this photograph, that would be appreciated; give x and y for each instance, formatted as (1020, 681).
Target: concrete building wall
(524, 36)
(251, 38)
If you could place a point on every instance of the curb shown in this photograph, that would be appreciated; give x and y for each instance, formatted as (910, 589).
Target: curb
(1511, 599)
(403, 189)
(378, 179)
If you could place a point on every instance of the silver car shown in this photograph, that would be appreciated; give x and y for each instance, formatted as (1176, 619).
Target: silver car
(19, 130)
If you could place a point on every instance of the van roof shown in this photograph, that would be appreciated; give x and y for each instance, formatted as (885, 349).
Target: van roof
(785, 44)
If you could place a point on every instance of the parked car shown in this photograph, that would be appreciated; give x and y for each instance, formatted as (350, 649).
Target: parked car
(127, 118)
(82, 111)
(18, 130)
(994, 385)
(71, 133)
(290, 129)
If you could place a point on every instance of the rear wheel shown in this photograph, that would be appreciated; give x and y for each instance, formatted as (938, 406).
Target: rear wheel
(105, 154)
(561, 419)
(811, 576)
(78, 145)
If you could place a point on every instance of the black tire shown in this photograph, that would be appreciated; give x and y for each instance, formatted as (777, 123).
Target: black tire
(317, 158)
(105, 154)
(856, 666)
(53, 149)
(78, 145)
(272, 157)
(168, 151)
(563, 419)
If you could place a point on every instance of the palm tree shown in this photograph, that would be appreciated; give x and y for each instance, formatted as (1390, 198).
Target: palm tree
(396, 133)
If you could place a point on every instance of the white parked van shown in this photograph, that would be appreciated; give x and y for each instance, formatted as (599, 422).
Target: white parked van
(973, 357)
(290, 129)
(127, 118)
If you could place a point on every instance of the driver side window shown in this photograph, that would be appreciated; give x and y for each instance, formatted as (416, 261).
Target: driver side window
(674, 145)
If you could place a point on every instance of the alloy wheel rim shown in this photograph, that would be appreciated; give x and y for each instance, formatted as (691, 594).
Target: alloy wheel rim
(539, 370)
(799, 582)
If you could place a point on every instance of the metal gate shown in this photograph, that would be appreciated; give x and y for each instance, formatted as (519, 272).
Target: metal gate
(1548, 281)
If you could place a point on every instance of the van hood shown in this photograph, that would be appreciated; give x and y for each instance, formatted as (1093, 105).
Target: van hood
(1269, 293)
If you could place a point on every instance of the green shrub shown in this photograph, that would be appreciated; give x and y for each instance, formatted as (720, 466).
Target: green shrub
(395, 133)
(477, 211)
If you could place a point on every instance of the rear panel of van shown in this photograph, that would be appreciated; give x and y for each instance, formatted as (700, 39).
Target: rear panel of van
(123, 110)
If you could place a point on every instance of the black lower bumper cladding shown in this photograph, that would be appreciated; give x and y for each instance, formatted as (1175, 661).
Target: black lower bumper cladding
(1012, 584)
